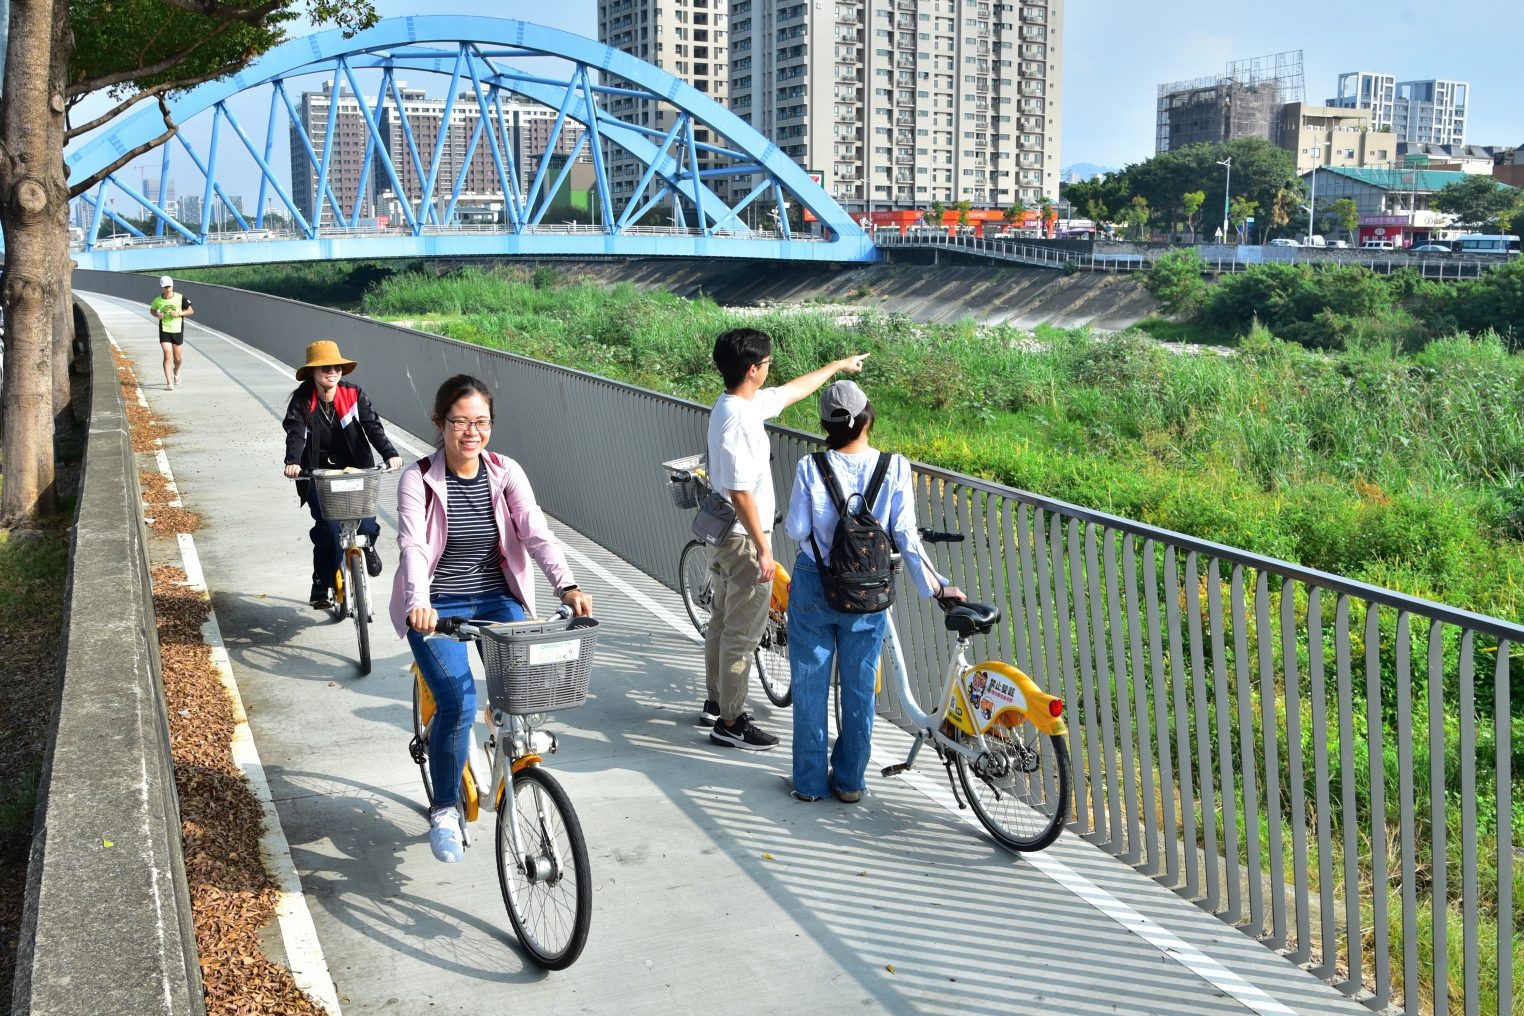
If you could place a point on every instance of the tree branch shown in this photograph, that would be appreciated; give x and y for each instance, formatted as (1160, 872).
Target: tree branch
(86, 128)
(223, 12)
(75, 190)
(80, 88)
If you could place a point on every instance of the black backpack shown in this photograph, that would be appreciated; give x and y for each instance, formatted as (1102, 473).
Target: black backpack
(858, 577)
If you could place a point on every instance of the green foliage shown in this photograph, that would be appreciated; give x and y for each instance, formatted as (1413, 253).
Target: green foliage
(1347, 213)
(330, 283)
(1176, 279)
(1476, 201)
(1260, 172)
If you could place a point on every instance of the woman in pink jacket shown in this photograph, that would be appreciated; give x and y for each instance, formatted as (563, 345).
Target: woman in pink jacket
(468, 528)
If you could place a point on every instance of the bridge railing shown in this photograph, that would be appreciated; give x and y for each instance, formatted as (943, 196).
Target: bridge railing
(1438, 266)
(1323, 763)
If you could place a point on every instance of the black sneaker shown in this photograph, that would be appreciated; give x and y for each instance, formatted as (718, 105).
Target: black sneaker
(372, 561)
(710, 713)
(742, 734)
(319, 597)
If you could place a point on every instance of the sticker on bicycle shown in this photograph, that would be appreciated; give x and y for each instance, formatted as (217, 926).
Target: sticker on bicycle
(541, 653)
(345, 486)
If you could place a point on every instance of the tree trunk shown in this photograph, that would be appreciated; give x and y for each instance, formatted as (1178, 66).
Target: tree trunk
(34, 213)
(63, 351)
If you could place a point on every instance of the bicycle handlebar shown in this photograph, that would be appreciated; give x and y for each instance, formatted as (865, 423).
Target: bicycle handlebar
(933, 536)
(464, 629)
(306, 475)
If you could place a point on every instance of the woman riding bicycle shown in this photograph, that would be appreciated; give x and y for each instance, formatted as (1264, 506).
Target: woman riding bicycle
(468, 528)
(819, 634)
(330, 425)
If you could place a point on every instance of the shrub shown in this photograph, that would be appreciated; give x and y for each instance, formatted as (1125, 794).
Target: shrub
(1176, 279)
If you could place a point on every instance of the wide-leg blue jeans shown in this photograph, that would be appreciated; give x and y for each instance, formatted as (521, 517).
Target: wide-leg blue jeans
(818, 637)
(446, 669)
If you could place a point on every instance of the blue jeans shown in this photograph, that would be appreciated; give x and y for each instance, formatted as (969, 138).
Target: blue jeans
(817, 637)
(326, 553)
(446, 668)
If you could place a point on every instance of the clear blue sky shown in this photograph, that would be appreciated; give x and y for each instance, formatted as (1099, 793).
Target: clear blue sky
(1117, 52)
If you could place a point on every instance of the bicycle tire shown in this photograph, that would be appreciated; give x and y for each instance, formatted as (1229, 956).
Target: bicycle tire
(550, 914)
(773, 669)
(423, 714)
(359, 604)
(1031, 808)
(696, 583)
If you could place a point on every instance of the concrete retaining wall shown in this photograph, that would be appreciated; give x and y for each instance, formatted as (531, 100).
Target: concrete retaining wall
(107, 925)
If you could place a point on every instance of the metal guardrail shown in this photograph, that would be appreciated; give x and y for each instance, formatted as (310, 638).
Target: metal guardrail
(1305, 755)
(1439, 266)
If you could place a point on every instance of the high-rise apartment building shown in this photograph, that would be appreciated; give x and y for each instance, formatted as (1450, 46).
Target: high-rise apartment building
(528, 127)
(685, 38)
(1432, 111)
(895, 103)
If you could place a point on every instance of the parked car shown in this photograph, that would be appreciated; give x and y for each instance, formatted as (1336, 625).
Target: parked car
(1343, 244)
(1376, 245)
(1431, 248)
(1282, 241)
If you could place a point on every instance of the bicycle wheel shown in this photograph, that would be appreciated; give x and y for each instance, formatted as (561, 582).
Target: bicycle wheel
(549, 888)
(418, 747)
(772, 661)
(359, 607)
(696, 583)
(340, 593)
(1020, 788)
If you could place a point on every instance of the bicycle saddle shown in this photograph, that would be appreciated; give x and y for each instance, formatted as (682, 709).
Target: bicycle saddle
(970, 618)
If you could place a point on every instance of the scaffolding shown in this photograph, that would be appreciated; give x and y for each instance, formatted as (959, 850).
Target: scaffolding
(1243, 102)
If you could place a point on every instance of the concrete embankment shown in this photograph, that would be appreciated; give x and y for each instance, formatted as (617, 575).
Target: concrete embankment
(987, 294)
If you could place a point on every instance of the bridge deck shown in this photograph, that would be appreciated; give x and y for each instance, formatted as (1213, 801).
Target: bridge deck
(715, 891)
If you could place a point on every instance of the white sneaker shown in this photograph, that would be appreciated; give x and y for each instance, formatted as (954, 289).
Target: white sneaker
(444, 835)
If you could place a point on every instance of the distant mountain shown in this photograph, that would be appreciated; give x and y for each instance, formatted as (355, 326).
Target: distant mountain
(1084, 171)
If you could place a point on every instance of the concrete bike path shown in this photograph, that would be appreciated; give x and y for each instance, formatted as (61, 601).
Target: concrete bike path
(714, 890)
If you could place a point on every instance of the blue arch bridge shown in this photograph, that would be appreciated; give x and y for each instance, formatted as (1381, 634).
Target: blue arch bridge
(718, 188)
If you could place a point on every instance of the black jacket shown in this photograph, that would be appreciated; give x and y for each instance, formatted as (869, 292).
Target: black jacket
(313, 443)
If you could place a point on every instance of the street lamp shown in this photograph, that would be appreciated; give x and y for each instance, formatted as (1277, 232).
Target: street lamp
(1312, 202)
(1226, 189)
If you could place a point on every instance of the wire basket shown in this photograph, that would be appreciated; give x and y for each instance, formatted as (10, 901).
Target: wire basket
(539, 666)
(346, 496)
(687, 490)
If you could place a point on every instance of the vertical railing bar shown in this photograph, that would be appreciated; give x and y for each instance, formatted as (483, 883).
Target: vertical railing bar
(1381, 962)
(1139, 788)
(1502, 719)
(1062, 622)
(1297, 781)
(1405, 809)
(921, 658)
(1317, 693)
(1127, 666)
(1037, 662)
(1270, 731)
(1470, 953)
(1227, 781)
(1348, 818)
(1165, 791)
(1254, 865)
(1439, 894)
(1103, 673)
(1084, 647)
(1181, 713)
(1208, 846)
(1053, 672)
(1016, 611)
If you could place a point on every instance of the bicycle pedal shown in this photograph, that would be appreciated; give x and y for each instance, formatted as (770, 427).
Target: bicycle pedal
(895, 770)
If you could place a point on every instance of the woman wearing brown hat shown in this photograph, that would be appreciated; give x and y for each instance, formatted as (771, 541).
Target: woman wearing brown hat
(330, 425)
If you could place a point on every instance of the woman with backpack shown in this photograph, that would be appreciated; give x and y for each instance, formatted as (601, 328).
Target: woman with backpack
(850, 508)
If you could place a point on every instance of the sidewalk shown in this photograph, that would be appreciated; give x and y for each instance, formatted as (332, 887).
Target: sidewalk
(714, 890)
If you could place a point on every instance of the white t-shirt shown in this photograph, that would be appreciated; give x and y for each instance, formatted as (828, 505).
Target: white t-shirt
(740, 456)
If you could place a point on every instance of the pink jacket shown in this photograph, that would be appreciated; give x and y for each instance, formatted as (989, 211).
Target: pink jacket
(522, 534)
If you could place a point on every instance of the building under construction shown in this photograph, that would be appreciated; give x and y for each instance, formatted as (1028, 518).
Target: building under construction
(1245, 102)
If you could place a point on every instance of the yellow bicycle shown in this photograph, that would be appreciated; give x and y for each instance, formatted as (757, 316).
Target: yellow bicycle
(532, 668)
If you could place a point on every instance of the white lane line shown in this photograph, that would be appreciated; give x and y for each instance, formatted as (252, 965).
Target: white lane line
(1187, 955)
(304, 953)
(169, 478)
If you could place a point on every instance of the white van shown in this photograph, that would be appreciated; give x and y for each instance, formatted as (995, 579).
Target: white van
(1376, 245)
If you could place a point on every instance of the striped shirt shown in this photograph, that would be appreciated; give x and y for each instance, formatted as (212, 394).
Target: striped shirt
(472, 561)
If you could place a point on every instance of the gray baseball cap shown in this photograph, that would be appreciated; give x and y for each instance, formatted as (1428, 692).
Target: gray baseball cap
(842, 402)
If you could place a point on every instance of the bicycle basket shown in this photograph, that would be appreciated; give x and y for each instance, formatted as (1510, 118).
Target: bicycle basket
(539, 666)
(346, 496)
(686, 489)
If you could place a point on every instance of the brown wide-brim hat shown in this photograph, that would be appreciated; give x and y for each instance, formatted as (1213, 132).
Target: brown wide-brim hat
(323, 353)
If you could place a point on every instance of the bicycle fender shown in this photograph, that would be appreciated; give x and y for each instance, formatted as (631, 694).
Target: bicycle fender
(1016, 702)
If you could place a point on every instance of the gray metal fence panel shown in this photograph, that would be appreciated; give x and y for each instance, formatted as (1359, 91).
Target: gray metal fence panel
(1178, 705)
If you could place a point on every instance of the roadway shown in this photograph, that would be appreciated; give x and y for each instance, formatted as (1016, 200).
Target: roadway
(715, 891)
